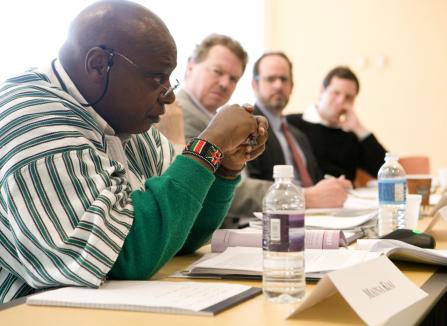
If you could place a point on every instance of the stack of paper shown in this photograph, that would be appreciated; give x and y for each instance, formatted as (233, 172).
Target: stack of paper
(399, 250)
(154, 296)
(334, 220)
(339, 221)
(235, 262)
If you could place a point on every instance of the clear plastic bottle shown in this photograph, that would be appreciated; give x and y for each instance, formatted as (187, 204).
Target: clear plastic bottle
(392, 195)
(283, 279)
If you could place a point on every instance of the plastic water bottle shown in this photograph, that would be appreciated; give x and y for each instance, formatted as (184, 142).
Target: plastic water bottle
(283, 278)
(392, 195)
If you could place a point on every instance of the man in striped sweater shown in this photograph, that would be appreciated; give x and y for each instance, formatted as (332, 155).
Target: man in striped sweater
(88, 189)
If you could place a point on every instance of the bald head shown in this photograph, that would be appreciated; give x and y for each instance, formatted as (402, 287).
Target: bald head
(120, 55)
(117, 24)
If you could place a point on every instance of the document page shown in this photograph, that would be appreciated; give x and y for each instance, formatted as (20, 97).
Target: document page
(357, 201)
(339, 221)
(318, 261)
(400, 250)
(234, 260)
(248, 261)
(142, 296)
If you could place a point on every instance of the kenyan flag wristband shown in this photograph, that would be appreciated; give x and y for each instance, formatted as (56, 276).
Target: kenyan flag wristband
(205, 150)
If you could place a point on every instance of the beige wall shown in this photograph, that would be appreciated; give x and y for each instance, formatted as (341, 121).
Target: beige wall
(404, 102)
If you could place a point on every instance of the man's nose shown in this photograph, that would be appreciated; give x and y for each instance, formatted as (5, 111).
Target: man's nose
(168, 99)
(224, 82)
(341, 99)
(278, 83)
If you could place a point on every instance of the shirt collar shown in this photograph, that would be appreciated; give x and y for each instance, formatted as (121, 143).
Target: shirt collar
(274, 120)
(198, 104)
(312, 115)
(76, 94)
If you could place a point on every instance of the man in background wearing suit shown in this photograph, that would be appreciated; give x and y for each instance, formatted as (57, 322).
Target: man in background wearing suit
(212, 74)
(213, 71)
(340, 142)
(273, 84)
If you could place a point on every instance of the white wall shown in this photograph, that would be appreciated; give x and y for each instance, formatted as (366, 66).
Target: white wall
(404, 100)
(26, 26)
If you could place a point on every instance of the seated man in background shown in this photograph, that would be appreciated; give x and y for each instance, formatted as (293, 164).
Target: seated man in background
(212, 74)
(213, 71)
(88, 188)
(340, 142)
(273, 83)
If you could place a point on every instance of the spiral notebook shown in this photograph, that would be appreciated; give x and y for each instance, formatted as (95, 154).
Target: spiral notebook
(189, 298)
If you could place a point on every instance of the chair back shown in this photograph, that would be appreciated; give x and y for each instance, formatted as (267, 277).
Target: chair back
(415, 164)
(361, 178)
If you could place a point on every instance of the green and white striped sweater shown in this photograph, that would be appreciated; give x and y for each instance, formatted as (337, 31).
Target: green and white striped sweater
(70, 193)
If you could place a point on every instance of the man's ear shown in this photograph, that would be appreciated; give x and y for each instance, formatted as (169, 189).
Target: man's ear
(254, 84)
(97, 63)
(189, 67)
(322, 89)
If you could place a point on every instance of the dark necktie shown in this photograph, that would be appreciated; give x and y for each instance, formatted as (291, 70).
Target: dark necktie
(306, 180)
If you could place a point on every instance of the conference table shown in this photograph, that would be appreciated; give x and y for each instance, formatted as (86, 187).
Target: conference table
(256, 311)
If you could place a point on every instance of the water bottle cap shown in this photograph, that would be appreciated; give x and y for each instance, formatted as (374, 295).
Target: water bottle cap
(283, 171)
(391, 157)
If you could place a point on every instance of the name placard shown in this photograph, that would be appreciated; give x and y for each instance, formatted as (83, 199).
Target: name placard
(375, 289)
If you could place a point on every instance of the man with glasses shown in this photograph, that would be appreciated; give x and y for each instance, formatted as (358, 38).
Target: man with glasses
(213, 71)
(272, 84)
(88, 188)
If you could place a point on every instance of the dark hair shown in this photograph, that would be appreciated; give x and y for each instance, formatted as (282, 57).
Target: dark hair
(342, 72)
(201, 51)
(268, 54)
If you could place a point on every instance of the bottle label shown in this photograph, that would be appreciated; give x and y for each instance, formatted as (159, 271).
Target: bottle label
(283, 232)
(392, 191)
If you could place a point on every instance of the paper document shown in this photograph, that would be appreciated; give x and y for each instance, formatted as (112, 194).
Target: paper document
(339, 221)
(357, 200)
(247, 261)
(399, 250)
(153, 296)
(236, 262)
(369, 193)
(434, 199)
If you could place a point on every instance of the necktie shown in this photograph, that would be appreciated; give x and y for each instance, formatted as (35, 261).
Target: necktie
(306, 180)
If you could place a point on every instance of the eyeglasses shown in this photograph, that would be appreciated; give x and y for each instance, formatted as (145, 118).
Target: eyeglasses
(157, 77)
(272, 79)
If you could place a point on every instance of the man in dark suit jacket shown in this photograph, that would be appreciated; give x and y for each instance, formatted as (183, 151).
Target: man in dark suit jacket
(340, 141)
(272, 84)
(262, 168)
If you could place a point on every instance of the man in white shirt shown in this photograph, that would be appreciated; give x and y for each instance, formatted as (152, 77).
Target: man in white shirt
(340, 141)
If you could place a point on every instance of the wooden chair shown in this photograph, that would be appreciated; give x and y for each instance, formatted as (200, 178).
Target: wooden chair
(361, 178)
(415, 164)
(411, 165)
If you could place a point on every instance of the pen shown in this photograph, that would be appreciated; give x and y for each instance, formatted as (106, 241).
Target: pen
(349, 190)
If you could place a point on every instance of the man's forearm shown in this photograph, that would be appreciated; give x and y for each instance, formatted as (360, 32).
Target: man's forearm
(163, 217)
